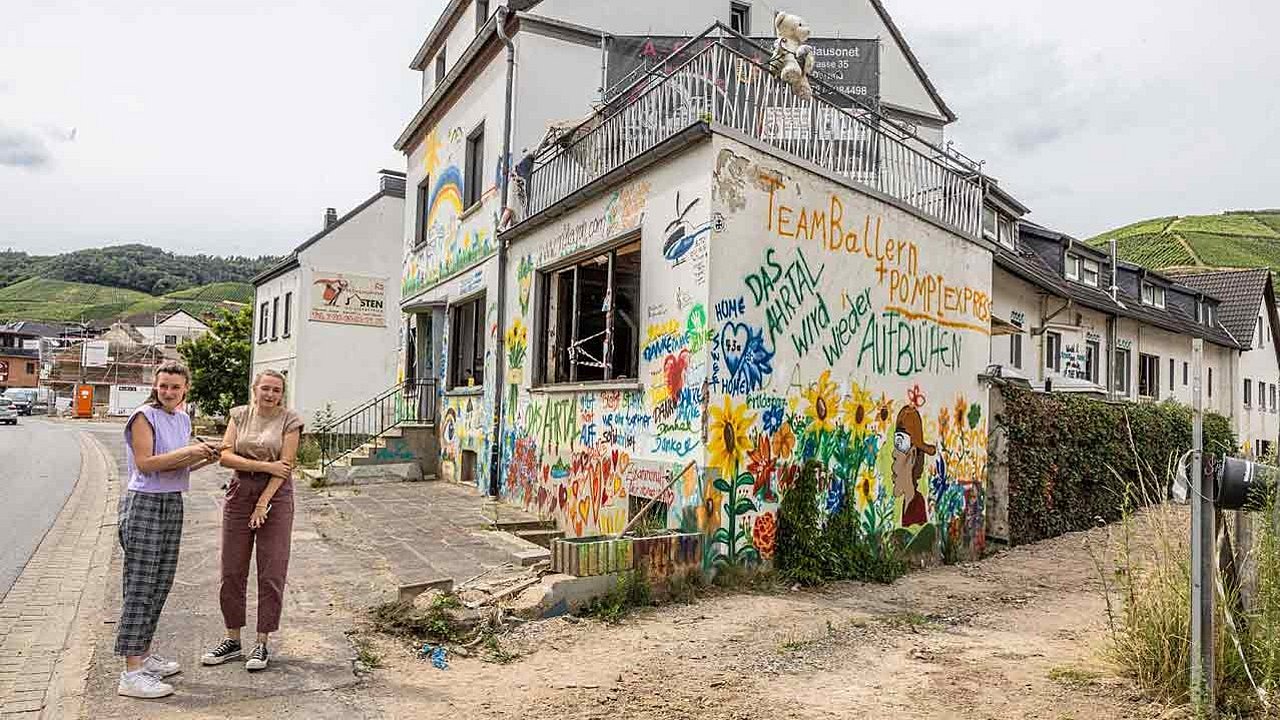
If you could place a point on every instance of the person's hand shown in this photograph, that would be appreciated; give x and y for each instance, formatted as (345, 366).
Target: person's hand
(259, 516)
(211, 451)
(280, 469)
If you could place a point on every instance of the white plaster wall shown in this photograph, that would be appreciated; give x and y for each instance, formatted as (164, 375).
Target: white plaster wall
(620, 435)
(827, 18)
(347, 365)
(1258, 422)
(1013, 297)
(279, 354)
(179, 324)
(555, 80)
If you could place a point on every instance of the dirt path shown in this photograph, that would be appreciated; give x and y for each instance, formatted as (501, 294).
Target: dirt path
(1018, 635)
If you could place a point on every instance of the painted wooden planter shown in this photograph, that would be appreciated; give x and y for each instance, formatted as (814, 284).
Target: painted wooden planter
(584, 557)
(661, 557)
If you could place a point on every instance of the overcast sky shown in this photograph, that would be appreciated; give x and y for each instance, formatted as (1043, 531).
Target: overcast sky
(227, 126)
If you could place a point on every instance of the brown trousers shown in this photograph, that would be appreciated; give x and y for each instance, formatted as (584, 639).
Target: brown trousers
(238, 540)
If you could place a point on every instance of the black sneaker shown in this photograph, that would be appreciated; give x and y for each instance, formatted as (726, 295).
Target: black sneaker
(226, 650)
(258, 658)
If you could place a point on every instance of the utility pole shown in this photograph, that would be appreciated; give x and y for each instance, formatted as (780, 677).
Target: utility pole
(1202, 551)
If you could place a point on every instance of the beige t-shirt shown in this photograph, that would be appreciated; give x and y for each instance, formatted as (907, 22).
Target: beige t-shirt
(261, 437)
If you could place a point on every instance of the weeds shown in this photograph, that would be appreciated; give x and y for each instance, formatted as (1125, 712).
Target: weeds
(309, 452)
(632, 591)
(746, 578)
(494, 652)
(365, 653)
(686, 587)
(1074, 677)
(435, 624)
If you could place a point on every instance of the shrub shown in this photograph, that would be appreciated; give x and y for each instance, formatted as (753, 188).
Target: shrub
(1076, 461)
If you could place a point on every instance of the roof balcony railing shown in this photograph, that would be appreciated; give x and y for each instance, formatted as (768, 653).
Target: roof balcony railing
(718, 77)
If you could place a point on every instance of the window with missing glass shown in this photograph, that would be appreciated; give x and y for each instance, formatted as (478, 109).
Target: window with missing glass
(466, 343)
(589, 316)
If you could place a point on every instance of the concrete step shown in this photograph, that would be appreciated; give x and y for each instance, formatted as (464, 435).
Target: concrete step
(513, 526)
(522, 551)
(340, 474)
(541, 536)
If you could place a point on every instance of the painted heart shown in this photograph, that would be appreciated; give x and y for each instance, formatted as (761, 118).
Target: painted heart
(733, 346)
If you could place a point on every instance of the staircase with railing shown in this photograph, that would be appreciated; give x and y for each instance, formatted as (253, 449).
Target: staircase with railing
(367, 427)
(721, 77)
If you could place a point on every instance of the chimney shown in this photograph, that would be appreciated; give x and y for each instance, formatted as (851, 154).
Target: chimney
(390, 181)
(330, 217)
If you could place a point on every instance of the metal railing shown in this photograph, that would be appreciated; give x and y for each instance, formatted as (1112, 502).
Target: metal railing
(408, 402)
(712, 80)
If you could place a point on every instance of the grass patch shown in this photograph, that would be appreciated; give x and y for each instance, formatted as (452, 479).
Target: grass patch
(631, 592)
(365, 653)
(909, 620)
(749, 579)
(1074, 677)
(494, 652)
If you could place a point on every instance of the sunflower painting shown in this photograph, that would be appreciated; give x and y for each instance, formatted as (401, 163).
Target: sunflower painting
(823, 403)
(728, 438)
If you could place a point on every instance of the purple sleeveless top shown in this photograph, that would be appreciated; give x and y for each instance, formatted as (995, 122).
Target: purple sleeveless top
(172, 431)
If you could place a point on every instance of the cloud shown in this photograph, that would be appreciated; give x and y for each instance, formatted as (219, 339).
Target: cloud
(23, 148)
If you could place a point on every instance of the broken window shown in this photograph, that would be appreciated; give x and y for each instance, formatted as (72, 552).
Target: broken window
(590, 314)
(466, 344)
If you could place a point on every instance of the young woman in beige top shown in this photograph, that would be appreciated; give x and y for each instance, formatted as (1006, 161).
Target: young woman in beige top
(262, 444)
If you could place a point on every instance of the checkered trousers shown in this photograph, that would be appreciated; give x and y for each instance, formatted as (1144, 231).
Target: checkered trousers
(150, 530)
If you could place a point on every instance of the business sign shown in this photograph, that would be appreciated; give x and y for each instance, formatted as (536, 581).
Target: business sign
(849, 65)
(349, 299)
(94, 353)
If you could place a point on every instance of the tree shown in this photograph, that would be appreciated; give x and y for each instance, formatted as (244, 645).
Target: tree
(219, 362)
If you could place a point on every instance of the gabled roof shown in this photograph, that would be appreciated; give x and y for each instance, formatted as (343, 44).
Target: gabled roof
(911, 59)
(33, 329)
(1025, 264)
(1239, 291)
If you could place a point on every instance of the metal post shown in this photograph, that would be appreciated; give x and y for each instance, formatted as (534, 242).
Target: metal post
(1202, 549)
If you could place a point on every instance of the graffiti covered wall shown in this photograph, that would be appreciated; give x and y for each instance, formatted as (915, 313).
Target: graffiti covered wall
(578, 452)
(849, 333)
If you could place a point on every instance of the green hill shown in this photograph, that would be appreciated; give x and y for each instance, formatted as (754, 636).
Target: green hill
(60, 300)
(1236, 239)
(143, 268)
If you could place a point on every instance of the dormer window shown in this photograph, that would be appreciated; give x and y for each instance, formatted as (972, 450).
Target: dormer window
(1152, 295)
(1006, 233)
(1082, 269)
(990, 222)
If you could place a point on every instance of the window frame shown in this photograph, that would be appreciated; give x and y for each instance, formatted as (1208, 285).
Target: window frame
(263, 309)
(1157, 299)
(473, 179)
(1172, 374)
(1015, 350)
(1006, 235)
(990, 232)
(1088, 266)
(275, 317)
(1071, 267)
(547, 326)
(31, 368)
(1120, 380)
(1148, 376)
(170, 344)
(1248, 392)
(288, 314)
(1186, 373)
(1092, 360)
(421, 205)
(1053, 360)
(482, 14)
(743, 11)
(478, 340)
(442, 66)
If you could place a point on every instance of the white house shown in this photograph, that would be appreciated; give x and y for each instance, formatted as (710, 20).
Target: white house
(325, 316)
(496, 77)
(167, 328)
(1248, 312)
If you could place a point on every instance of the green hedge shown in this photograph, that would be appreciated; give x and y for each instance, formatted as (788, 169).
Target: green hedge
(1063, 450)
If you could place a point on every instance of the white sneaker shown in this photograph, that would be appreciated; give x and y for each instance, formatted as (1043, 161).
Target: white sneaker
(141, 684)
(258, 658)
(160, 667)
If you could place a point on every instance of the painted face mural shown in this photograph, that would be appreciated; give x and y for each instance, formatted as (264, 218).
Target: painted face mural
(909, 451)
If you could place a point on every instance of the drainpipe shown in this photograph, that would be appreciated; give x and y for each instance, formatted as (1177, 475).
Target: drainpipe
(1115, 289)
(1111, 357)
(500, 380)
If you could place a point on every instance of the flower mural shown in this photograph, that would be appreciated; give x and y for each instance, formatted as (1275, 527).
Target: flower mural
(728, 439)
(823, 403)
(517, 344)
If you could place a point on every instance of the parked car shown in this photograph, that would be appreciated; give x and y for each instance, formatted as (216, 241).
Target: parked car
(30, 401)
(8, 411)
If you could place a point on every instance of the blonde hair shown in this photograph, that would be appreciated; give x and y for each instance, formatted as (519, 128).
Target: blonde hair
(284, 382)
(169, 367)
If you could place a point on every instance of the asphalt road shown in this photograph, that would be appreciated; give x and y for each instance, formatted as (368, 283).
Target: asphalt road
(39, 464)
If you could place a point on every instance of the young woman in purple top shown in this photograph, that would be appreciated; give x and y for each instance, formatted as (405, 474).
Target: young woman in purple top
(161, 456)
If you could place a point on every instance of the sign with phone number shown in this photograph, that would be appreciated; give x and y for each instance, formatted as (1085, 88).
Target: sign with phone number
(850, 66)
